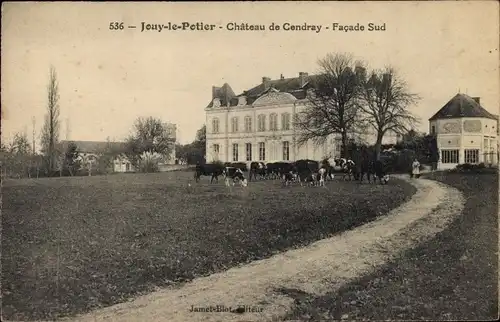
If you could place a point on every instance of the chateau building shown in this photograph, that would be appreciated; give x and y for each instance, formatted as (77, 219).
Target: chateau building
(257, 125)
(466, 132)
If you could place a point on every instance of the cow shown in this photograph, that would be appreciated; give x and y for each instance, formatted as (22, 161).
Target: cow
(210, 169)
(347, 167)
(330, 170)
(321, 176)
(379, 172)
(307, 170)
(289, 177)
(238, 165)
(257, 168)
(233, 175)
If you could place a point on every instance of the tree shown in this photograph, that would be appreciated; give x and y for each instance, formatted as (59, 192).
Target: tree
(20, 144)
(193, 152)
(385, 99)
(150, 136)
(71, 162)
(50, 130)
(331, 103)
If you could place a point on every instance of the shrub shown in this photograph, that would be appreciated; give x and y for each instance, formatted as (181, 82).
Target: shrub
(473, 168)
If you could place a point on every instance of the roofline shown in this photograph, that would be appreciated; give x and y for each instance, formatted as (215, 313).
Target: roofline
(461, 117)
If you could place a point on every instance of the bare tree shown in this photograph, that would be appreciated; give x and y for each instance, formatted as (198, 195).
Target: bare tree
(385, 99)
(50, 130)
(331, 102)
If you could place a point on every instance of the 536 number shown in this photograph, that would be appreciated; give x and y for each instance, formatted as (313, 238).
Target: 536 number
(116, 26)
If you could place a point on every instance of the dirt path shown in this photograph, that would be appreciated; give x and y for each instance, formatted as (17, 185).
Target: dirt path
(323, 266)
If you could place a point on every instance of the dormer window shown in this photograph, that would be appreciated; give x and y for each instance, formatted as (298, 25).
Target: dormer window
(242, 100)
(216, 102)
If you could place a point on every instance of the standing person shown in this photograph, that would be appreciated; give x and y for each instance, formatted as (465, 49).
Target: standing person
(415, 169)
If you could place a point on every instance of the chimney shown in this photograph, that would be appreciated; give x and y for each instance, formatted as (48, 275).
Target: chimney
(282, 77)
(303, 78)
(215, 91)
(265, 81)
(477, 99)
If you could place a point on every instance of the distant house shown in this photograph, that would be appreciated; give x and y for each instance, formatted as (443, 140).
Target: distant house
(91, 151)
(466, 132)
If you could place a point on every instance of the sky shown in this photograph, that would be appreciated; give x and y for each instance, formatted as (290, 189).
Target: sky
(108, 78)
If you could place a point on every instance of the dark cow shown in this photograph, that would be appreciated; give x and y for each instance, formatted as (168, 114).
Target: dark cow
(210, 169)
(276, 170)
(307, 170)
(257, 169)
(233, 175)
(380, 172)
(238, 165)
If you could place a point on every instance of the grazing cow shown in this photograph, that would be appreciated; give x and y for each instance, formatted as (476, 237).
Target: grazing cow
(209, 169)
(289, 177)
(233, 175)
(306, 170)
(257, 168)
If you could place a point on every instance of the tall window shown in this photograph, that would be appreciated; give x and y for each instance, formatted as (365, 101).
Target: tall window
(262, 122)
(449, 156)
(262, 151)
(273, 122)
(235, 152)
(433, 129)
(249, 151)
(285, 121)
(234, 124)
(471, 156)
(215, 125)
(286, 150)
(216, 148)
(248, 124)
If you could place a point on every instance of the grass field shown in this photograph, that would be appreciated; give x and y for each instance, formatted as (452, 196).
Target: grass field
(454, 276)
(70, 245)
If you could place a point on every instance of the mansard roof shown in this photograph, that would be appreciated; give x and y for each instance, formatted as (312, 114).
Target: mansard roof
(288, 85)
(462, 105)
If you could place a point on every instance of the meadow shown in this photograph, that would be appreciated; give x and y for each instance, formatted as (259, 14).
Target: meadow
(73, 244)
(453, 276)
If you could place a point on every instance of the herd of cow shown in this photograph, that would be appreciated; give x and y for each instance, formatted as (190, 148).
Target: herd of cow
(302, 171)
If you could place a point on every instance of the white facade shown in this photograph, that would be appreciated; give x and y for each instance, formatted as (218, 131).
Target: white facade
(465, 140)
(262, 131)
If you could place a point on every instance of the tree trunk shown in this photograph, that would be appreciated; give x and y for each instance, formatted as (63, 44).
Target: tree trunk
(378, 145)
(343, 152)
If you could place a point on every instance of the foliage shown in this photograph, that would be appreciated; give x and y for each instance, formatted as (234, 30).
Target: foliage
(150, 136)
(331, 102)
(148, 162)
(17, 157)
(195, 151)
(72, 163)
(385, 99)
(425, 146)
(50, 130)
(475, 168)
